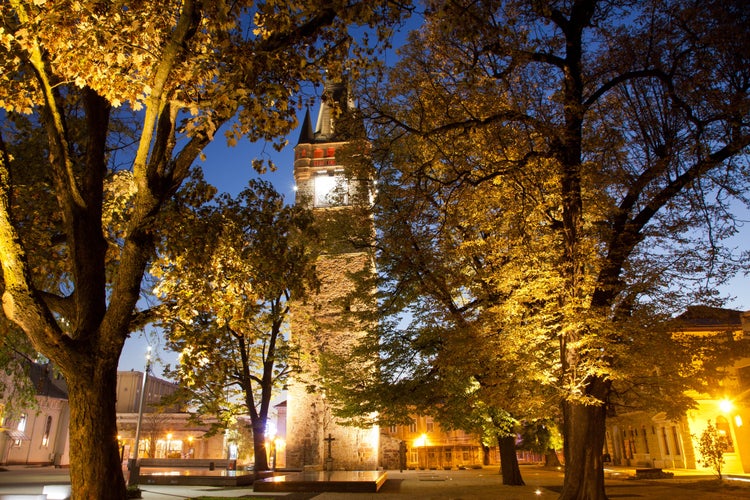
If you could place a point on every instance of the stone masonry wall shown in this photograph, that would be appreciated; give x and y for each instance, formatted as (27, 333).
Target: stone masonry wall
(316, 329)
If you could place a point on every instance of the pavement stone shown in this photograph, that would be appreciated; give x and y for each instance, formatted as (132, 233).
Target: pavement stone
(482, 484)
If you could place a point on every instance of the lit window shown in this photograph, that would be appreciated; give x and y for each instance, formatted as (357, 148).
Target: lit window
(330, 189)
(22, 423)
(666, 442)
(722, 426)
(676, 440)
(47, 428)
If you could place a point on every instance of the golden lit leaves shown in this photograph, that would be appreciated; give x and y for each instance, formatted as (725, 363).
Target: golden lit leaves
(116, 49)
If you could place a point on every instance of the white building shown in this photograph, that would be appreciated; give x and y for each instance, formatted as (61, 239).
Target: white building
(38, 436)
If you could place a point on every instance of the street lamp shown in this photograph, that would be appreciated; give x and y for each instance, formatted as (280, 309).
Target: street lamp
(134, 471)
(725, 405)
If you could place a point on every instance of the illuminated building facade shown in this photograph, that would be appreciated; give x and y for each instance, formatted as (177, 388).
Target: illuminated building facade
(641, 439)
(314, 438)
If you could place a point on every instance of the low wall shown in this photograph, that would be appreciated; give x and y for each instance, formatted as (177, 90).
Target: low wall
(191, 463)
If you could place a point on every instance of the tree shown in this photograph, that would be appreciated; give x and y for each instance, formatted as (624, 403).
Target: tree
(712, 445)
(17, 390)
(617, 137)
(438, 256)
(155, 426)
(541, 436)
(228, 277)
(187, 67)
(493, 424)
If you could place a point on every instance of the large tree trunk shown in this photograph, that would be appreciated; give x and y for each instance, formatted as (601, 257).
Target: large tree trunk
(509, 461)
(95, 467)
(583, 437)
(551, 459)
(259, 445)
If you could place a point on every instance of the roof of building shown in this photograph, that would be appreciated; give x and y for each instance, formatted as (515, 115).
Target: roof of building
(47, 381)
(336, 108)
(704, 316)
(306, 136)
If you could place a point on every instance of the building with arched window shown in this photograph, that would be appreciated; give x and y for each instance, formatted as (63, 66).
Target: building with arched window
(641, 439)
(37, 435)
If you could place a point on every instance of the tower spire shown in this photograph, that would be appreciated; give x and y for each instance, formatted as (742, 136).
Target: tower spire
(306, 136)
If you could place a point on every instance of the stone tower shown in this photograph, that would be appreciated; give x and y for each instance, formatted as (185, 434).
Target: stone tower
(314, 437)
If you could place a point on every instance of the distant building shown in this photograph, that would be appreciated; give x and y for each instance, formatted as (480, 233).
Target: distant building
(129, 391)
(278, 451)
(38, 436)
(653, 440)
(166, 432)
(425, 445)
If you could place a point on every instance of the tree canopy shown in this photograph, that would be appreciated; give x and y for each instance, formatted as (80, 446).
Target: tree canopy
(226, 275)
(560, 176)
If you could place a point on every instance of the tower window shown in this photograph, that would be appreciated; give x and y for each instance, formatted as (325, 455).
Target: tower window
(330, 189)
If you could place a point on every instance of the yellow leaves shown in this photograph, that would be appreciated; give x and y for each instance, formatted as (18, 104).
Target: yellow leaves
(118, 48)
(259, 30)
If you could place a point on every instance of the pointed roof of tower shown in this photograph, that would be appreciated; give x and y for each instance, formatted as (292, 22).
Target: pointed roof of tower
(306, 136)
(335, 115)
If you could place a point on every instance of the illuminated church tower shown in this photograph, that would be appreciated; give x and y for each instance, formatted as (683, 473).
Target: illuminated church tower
(314, 438)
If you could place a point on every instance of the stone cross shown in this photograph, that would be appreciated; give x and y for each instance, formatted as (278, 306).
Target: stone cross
(330, 439)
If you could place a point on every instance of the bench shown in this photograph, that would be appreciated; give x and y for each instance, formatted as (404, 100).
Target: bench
(148, 466)
(22, 496)
(652, 473)
(187, 463)
(49, 492)
(57, 491)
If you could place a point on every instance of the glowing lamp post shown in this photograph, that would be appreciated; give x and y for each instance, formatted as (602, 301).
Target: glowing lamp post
(134, 470)
(725, 405)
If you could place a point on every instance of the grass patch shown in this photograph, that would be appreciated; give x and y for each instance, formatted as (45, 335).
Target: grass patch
(723, 485)
(291, 496)
(715, 486)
